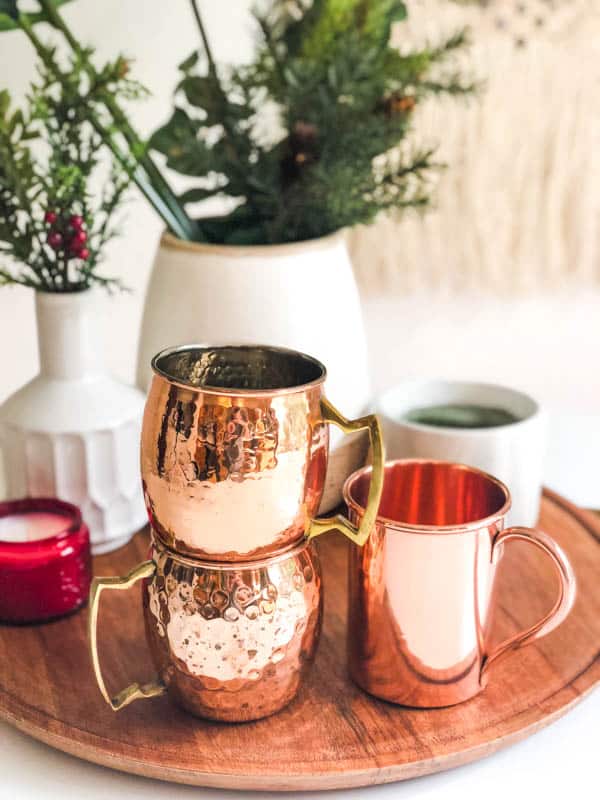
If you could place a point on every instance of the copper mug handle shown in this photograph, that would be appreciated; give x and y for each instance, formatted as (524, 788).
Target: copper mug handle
(564, 601)
(135, 691)
(360, 534)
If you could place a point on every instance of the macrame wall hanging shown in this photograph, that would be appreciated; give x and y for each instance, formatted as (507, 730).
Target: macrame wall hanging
(519, 206)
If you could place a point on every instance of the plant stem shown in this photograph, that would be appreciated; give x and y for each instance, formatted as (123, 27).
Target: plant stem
(136, 169)
(212, 67)
(65, 271)
(271, 46)
(177, 219)
(43, 266)
(229, 131)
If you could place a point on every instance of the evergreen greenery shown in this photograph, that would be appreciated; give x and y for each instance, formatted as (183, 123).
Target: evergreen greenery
(343, 100)
(339, 96)
(53, 226)
(105, 108)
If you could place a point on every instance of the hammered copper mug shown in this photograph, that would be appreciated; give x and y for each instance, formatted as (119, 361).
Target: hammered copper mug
(234, 454)
(234, 451)
(230, 642)
(422, 588)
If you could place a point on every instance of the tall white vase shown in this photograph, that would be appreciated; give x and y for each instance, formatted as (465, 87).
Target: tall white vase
(302, 296)
(73, 432)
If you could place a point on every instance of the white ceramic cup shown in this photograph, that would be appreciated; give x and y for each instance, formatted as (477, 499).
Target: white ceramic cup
(513, 452)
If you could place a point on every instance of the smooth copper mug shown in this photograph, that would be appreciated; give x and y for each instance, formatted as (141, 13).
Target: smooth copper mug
(422, 587)
(230, 642)
(234, 451)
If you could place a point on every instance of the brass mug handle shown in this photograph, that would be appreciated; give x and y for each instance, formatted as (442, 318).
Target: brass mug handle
(357, 535)
(564, 601)
(135, 691)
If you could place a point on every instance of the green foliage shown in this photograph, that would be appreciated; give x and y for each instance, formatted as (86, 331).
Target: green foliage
(105, 112)
(343, 99)
(46, 199)
(9, 14)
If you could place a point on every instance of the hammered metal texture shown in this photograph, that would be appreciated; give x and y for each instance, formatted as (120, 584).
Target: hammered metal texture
(232, 474)
(247, 367)
(232, 642)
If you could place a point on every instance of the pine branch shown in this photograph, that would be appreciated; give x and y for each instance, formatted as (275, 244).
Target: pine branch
(146, 171)
(343, 98)
(235, 142)
(7, 279)
(458, 40)
(271, 45)
(50, 224)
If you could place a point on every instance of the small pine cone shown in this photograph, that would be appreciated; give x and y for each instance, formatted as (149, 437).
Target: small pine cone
(302, 150)
(398, 104)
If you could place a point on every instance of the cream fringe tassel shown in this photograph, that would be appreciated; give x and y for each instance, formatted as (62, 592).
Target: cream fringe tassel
(519, 206)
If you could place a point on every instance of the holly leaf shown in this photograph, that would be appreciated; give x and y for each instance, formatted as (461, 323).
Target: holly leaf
(204, 92)
(9, 14)
(197, 194)
(189, 63)
(201, 92)
(178, 140)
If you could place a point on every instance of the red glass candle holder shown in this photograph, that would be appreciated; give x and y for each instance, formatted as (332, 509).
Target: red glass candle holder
(45, 560)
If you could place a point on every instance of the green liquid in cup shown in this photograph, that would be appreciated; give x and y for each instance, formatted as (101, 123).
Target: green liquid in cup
(461, 415)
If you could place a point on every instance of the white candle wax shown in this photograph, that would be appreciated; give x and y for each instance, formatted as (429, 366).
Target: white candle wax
(32, 526)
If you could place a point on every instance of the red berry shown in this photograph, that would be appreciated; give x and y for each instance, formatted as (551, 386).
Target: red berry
(84, 254)
(76, 222)
(77, 240)
(55, 240)
(50, 217)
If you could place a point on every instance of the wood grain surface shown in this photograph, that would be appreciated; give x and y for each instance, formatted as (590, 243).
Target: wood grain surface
(333, 735)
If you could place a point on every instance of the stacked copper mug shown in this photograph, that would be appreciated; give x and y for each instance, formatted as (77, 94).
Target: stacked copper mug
(234, 455)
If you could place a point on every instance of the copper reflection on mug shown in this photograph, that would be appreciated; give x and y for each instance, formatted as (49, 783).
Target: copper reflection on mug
(230, 642)
(234, 451)
(422, 589)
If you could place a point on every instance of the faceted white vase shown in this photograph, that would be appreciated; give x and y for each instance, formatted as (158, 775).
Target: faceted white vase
(73, 432)
(302, 296)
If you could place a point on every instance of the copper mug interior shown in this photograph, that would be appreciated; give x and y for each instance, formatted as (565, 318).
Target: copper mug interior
(423, 588)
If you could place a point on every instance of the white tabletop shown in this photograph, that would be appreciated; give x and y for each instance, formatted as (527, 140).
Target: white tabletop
(557, 762)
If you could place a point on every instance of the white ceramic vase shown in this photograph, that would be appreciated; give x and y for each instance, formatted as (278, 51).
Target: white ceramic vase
(73, 432)
(302, 296)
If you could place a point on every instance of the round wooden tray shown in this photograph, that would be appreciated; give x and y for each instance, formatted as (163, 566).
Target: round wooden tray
(333, 735)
